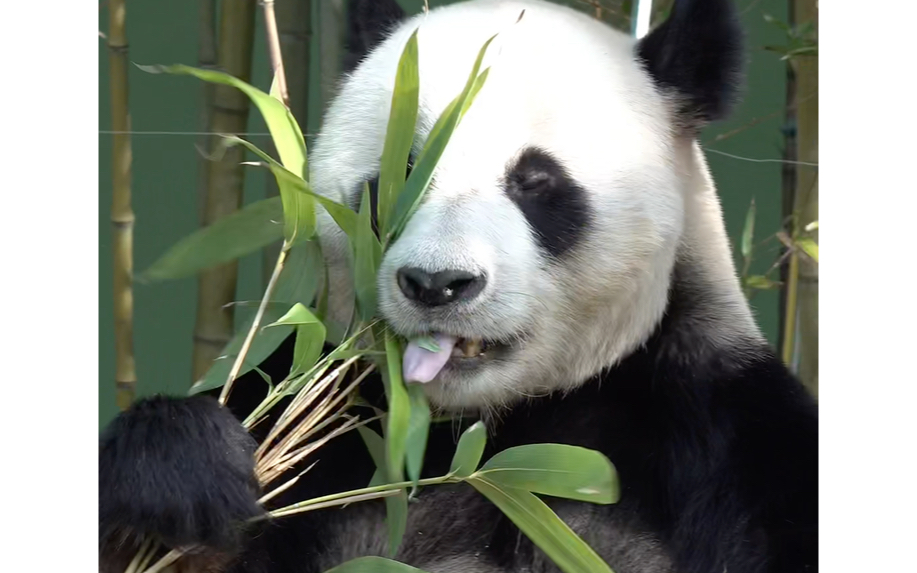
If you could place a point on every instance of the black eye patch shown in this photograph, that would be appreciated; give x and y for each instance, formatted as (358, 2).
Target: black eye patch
(554, 204)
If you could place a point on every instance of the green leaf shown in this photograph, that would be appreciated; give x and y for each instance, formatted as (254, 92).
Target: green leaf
(374, 565)
(263, 345)
(813, 226)
(367, 256)
(396, 518)
(422, 172)
(254, 226)
(299, 210)
(374, 444)
(558, 470)
(376, 447)
(809, 247)
(536, 520)
(760, 282)
(779, 23)
(284, 130)
(427, 343)
(298, 207)
(418, 431)
(748, 233)
(298, 282)
(396, 506)
(310, 337)
(399, 409)
(400, 134)
(344, 216)
(469, 450)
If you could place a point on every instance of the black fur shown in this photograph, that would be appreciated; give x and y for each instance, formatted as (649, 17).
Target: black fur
(181, 469)
(555, 206)
(368, 22)
(697, 54)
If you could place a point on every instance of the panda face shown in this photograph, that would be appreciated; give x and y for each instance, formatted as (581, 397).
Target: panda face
(544, 245)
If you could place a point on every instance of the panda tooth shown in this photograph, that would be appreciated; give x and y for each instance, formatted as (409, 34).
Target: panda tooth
(472, 347)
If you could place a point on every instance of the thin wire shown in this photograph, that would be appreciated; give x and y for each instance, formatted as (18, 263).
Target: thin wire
(753, 160)
(108, 132)
(257, 134)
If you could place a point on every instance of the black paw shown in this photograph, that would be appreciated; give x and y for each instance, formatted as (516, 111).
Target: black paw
(178, 469)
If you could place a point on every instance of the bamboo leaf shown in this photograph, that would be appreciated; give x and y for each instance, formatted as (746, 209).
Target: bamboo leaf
(376, 447)
(418, 431)
(285, 132)
(396, 506)
(298, 282)
(299, 210)
(399, 409)
(422, 173)
(427, 343)
(536, 520)
(310, 337)
(396, 519)
(399, 136)
(298, 207)
(809, 247)
(374, 444)
(344, 216)
(748, 233)
(245, 231)
(263, 345)
(558, 470)
(760, 282)
(469, 450)
(367, 256)
(374, 565)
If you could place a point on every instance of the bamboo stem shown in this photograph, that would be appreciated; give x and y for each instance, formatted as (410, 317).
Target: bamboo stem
(330, 42)
(789, 324)
(294, 33)
(206, 59)
(240, 359)
(806, 205)
(229, 115)
(273, 46)
(122, 215)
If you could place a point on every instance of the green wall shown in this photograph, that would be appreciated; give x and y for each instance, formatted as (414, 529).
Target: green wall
(165, 197)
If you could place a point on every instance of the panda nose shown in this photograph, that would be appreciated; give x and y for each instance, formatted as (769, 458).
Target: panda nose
(440, 288)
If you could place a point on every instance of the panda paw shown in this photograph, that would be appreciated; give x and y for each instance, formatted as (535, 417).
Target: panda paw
(178, 469)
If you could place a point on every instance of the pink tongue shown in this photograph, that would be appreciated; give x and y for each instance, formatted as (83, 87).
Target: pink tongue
(421, 365)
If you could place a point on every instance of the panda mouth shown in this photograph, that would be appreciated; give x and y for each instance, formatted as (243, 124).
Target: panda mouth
(471, 347)
(422, 363)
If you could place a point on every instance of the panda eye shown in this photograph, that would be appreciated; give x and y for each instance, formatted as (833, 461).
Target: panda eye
(534, 181)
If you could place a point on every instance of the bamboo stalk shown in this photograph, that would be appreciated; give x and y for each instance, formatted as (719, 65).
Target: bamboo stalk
(206, 59)
(788, 183)
(330, 47)
(122, 215)
(229, 115)
(806, 204)
(294, 35)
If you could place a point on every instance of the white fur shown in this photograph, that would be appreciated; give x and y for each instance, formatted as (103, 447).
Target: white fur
(564, 82)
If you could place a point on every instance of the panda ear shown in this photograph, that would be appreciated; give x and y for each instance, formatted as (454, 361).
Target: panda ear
(696, 55)
(368, 22)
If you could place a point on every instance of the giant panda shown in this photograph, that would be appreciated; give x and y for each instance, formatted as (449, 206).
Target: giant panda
(572, 228)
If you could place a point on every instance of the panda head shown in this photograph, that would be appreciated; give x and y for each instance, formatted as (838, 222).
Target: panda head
(545, 245)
